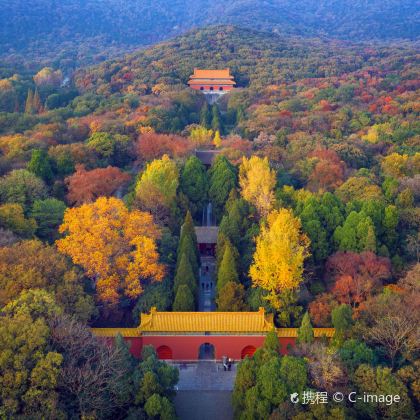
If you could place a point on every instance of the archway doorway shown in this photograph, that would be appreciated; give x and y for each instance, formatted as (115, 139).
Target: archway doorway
(247, 351)
(206, 352)
(164, 353)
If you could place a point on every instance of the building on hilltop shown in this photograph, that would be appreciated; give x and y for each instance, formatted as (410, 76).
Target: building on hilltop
(191, 336)
(212, 81)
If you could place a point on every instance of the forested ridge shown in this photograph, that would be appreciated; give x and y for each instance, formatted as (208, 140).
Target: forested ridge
(315, 190)
(76, 31)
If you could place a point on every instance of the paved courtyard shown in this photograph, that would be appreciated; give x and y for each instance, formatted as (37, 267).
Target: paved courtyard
(204, 405)
(205, 376)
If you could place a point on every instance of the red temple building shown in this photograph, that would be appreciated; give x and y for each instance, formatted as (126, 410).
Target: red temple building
(191, 336)
(212, 81)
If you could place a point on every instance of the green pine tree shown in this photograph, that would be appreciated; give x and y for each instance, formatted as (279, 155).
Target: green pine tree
(227, 271)
(40, 165)
(185, 275)
(306, 332)
(216, 120)
(205, 116)
(188, 244)
(29, 104)
(184, 300)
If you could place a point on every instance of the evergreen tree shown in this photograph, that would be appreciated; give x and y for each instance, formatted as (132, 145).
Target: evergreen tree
(184, 300)
(223, 178)
(205, 116)
(194, 184)
(342, 321)
(188, 244)
(306, 332)
(40, 165)
(29, 105)
(231, 298)
(185, 275)
(216, 119)
(227, 271)
(37, 104)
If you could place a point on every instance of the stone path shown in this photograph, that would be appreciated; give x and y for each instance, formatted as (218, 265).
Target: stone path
(204, 405)
(207, 285)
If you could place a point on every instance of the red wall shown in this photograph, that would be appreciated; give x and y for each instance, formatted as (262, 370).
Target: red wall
(187, 347)
(215, 87)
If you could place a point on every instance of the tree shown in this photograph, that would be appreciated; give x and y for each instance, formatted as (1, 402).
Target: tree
(157, 187)
(188, 244)
(13, 218)
(114, 246)
(231, 298)
(353, 353)
(184, 299)
(281, 248)
(217, 140)
(40, 165)
(205, 116)
(359, 189)
(306, 332)
(227, 271)
(153, 146)
(357, 233)
(381, 381)
(193, 182)
(185, 275)
(216, 119)
(223, 179)
(342, 320)
(320, 309)
(22, 187)
(104, 145)
(49, 215)
(356, 276)
(257, 182)
(31, 265)
(86, 186)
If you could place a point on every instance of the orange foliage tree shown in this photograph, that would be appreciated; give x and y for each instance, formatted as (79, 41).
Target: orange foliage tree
(356, 276)
(116, 247)
(153, 146)
(86, 186)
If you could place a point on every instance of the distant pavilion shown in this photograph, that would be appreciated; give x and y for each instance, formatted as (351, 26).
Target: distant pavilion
(192, 336)
(212, 81)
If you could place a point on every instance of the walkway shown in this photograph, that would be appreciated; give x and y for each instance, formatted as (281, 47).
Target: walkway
(207, 284)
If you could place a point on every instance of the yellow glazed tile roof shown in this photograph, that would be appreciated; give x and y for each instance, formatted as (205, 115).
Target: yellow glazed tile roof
(222, 322)
(292, 332)
(112, 332)
(211, 74)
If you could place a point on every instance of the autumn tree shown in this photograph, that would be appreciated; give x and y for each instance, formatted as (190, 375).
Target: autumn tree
(13, 218)
(355, 277)
(86, 186)
(116, 247)
(153, 146)
(281, 249)
(31, 265)
(157, 187)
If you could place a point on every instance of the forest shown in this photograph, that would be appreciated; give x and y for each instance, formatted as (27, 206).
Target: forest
(79, 32)
(315, 189)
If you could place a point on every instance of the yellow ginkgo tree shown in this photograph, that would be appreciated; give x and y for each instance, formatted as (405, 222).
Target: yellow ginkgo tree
(116, 247)
(281, 249)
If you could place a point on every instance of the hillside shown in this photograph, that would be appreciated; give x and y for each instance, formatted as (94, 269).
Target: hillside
(79, 32)
(257, 59)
